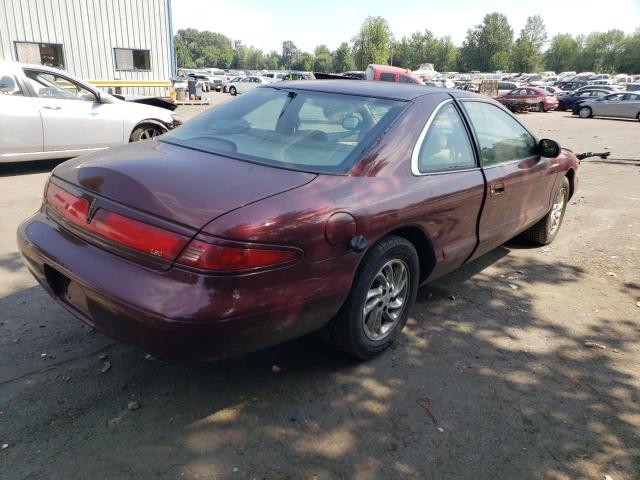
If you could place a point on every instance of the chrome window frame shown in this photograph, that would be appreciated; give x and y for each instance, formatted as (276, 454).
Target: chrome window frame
(418, 146)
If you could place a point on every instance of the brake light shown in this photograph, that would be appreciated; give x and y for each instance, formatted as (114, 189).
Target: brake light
(158, 242)
(119, 229)
(137, 235)
(225, 258)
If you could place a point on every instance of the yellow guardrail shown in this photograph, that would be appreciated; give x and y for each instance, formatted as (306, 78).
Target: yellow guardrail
(130, 83)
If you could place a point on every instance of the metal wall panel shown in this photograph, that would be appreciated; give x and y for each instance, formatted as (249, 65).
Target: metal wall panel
(89, 30)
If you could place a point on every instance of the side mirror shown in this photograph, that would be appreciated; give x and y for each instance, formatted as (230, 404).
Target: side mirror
(548, 148)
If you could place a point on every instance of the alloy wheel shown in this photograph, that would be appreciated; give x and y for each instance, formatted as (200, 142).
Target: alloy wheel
(149, 132)
(386, 300)
(557, 209)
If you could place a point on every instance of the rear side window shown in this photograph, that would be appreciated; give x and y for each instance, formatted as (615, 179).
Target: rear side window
(502, 139)
(446, 144)
(387, 77)
(302, 130)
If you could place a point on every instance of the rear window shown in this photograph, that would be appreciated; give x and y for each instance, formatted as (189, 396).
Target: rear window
(301, 130)
(387, 77)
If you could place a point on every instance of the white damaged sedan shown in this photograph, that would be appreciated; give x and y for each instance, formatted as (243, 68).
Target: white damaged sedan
(46, 113)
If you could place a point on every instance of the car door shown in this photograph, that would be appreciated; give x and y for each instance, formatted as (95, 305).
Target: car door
(243, 85)
(607, 105)
(73, 118)
(518, 179)
(447, 173)
(630, 105)
(20, 123)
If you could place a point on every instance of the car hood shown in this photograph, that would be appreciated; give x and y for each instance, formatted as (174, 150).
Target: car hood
(179, 184)
(142, 111)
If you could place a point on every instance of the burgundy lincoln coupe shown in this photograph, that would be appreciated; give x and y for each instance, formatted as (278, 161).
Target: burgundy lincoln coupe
(299, 206)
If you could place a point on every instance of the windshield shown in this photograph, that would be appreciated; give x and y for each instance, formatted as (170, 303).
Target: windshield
(301, 130)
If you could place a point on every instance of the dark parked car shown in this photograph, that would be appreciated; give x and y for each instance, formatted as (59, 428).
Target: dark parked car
(568, 101)
(299, 206)
(571, 86)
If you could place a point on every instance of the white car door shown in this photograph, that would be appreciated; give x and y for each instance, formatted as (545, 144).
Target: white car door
(20, 124)
(72, 116)
(244, 85)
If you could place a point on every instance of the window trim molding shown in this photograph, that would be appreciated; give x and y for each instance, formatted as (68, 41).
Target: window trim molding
(423, 134)
(115, 62)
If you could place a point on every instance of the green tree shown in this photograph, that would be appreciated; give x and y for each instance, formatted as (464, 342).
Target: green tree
(445, 55)
(322, 59)
(183, 54)
(342, 59)
(289, 53)
(372, 43)
(562, 53)
(255, 59)
(630, 57)
(527, 50)
(468, 55)
(240, 54)
(603, 51)
(272, 61)
(303, 62)
(487, 47)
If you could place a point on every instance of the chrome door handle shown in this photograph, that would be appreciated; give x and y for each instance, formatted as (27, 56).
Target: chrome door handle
(52, 107)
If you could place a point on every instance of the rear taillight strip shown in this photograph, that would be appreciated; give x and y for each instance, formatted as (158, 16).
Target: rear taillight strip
(138, 236)
(212, 256)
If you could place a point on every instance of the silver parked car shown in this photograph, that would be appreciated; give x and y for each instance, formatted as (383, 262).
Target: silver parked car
(246, 84)
(622, 104)
(46, 113)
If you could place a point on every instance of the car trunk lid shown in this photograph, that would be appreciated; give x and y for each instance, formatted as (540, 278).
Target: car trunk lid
(178, 184)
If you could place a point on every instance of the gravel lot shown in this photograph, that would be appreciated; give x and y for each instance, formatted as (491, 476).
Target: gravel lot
(515, 393)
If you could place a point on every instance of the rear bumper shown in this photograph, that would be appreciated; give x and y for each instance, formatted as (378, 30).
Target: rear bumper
(178, 314)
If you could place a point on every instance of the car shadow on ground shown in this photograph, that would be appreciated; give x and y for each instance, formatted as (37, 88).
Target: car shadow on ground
(504, 401)
(25, 168)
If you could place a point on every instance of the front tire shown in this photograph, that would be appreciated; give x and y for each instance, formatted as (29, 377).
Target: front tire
(546, 230)
(585, 112)
(145, 132)
(383, 292)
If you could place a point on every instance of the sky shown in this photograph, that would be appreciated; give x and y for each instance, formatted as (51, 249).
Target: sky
(266, 24)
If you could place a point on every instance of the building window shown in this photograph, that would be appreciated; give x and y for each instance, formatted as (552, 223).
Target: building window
(49, 54)
(132, 59)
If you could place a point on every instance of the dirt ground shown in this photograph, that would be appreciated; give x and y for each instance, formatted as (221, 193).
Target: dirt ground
(497, 347)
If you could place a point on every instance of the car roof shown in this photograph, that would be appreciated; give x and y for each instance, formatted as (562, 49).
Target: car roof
(376, 89)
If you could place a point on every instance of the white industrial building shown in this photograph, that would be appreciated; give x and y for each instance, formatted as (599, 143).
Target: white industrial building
(125, 46)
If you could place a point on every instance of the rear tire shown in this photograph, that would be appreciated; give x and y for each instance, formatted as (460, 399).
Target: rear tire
(233, 91)
(383, 292)
(546, 230)
(585, 112)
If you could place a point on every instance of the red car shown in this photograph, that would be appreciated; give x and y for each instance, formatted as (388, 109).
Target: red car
(538, 97)
(387, 73)
(298, 206)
